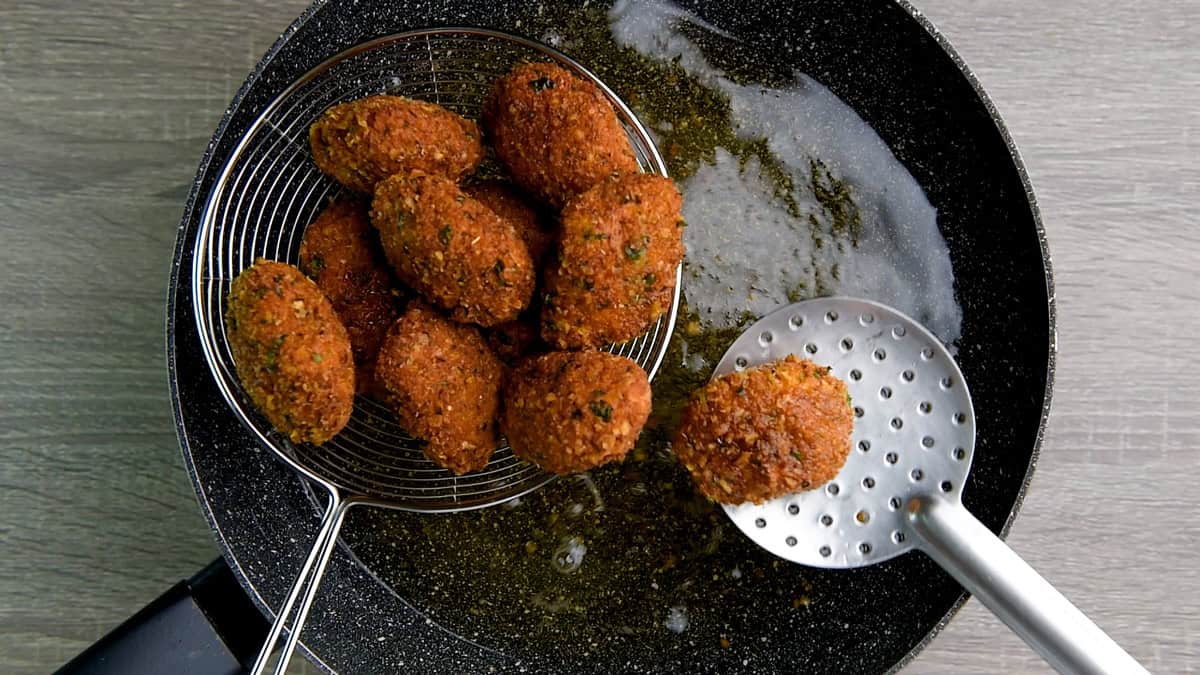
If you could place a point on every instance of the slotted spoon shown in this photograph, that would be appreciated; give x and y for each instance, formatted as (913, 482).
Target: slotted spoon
(901, 487)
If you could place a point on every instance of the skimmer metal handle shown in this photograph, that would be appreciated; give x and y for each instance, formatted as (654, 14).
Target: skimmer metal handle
(1013, 591)
(305, 587)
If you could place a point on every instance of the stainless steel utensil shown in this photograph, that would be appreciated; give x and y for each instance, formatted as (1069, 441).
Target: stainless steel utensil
(901, 487)
(265, 196)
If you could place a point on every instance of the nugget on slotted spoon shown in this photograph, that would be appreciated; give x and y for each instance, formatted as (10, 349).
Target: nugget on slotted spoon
(901, 485)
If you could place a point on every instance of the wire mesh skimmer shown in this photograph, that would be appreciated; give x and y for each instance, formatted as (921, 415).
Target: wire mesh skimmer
(260, 205)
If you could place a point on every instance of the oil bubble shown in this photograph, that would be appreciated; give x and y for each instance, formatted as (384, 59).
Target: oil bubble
(569, 555)
(677, 619)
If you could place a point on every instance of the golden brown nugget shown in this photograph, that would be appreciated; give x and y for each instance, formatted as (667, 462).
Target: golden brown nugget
(443, 384)
(556, 133)
(452, 249)
(513, 340)
(574, 411)
(291, 351)
(766, 432)
(341, 254)
(361, 142)
(614, 276)
(504, 202)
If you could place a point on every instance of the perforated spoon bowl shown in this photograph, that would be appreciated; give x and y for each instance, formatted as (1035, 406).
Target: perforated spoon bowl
(901, 487)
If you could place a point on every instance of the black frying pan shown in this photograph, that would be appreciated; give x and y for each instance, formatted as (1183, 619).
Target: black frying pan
(408, 592)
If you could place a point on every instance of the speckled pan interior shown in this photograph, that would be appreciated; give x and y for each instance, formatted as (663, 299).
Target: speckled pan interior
(892, 67)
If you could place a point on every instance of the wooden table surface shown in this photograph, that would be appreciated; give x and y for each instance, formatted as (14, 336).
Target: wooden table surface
(106, 106)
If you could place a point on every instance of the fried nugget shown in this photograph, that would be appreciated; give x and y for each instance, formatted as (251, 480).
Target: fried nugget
(361, 142)
(341, 253)
(513, 340)
(766, 432)
(614, 275)
(452, 249)
(291, 351)
(574, 411)
(443, 384)
(556, 133)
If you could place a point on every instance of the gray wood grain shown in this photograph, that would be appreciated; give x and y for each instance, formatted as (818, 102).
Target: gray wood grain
(105, 108)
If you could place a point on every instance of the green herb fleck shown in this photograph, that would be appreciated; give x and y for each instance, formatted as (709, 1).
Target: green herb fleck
(444, 235)
(637, 252)
(594, 236)
(541, 84)
(316, 264)
(460, 198)
(798, 455)
(272, 360)
(650, 278)
(401, 220)
(601, 409)
(316, 357)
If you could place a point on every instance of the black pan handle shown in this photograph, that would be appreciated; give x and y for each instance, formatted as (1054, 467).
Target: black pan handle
(205, 625)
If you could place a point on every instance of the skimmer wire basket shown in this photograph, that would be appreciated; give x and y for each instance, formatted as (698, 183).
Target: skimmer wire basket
(270, 190)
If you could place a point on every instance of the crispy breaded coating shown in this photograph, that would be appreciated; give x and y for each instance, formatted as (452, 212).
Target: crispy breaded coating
(513, 340)
(766, 432)
(556, 133)
(452, 249)
(443, 384)
(340, 252)
(614, 276)
(291, 351)
(361, 142)
(573, 411)
(506, 203)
